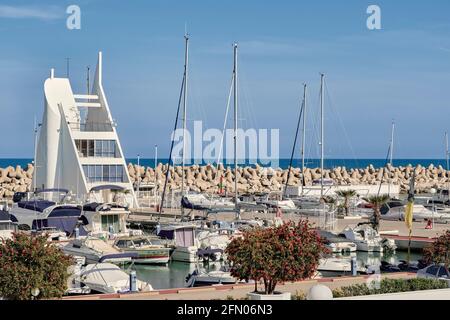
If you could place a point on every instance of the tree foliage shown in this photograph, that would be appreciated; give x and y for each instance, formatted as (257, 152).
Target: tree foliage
(346, 195)
(377, 202)
(28, 263)
(290, 252)
(439, 251)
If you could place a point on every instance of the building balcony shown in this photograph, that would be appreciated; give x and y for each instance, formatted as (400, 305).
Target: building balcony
(91, 126)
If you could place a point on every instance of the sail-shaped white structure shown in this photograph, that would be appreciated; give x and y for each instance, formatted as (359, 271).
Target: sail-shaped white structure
(78, 147)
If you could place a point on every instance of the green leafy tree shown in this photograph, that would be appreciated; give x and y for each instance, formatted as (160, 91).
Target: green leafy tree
(29, 263)
(377, 202)
(439, 251)
(290, 252)
(347, 195)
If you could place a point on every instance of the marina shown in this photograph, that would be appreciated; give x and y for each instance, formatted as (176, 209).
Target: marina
(245, 211)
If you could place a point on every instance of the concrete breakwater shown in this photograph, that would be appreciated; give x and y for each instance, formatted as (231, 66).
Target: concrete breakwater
(251, 179)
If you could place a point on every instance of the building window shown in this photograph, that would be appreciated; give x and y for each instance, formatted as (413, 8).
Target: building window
(104, 173)
(97, 148)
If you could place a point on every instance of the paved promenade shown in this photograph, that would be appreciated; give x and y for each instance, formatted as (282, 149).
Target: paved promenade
(236, 291)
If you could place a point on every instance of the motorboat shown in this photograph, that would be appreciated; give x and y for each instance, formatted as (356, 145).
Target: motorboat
(274, 200)
(52, 234)
(368, 239)
(148, 250)
(106, 220)
(74, 285)
(337, 244)
(8, 225)
(420, 213)
(198, 201)
(109, 278)
(95, 250)
(38, 215)
(336, 266)
(215, 239)
(251, 202)
(183, 237)
(200, 277)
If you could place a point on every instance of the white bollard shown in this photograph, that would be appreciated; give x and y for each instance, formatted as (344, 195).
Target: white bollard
(319, 292)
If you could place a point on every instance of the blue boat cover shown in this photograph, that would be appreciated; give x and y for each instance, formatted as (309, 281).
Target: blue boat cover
(166, 234)
(66, 224)
(91, 206)
(6, 216)
(65, 211)
(36, 205)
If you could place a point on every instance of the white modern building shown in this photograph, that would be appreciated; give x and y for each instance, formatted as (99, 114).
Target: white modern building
(78, 147)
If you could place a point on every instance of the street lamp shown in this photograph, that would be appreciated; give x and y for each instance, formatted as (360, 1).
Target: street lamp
(34, 293)
(433, 191)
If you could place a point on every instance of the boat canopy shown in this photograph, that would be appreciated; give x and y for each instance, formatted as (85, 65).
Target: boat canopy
(65, 211)
(91, 206)
(6, 216)
(52, 190)
(107, 187)
(36, 205)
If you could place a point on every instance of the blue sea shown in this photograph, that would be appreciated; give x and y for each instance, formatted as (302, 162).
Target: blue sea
(283, 163)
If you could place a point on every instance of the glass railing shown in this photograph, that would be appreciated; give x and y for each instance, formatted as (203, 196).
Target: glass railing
(91, 126)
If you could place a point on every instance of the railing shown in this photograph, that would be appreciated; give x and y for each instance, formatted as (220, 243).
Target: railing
(91, 126)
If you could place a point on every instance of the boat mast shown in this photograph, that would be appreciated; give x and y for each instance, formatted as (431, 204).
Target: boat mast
(35, 153)
(186, 56)
(322, 76)
(303, 136)
(391, 155)
(235, 47)
(447, 152)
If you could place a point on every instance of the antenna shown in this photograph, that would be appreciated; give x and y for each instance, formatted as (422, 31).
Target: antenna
(68, 67)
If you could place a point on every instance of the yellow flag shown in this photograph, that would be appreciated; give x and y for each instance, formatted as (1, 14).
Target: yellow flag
(409, 214)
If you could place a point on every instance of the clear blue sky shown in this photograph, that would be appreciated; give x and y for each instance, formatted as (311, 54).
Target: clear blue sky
(401, 72)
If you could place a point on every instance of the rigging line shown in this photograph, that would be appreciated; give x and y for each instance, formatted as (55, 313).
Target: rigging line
(293, 148)
(314, 147)
(225, 123)
(171, 145)
(385, 166)
(330, 103)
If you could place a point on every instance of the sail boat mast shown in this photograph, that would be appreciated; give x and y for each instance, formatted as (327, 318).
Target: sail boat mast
(186, 57)
(447, 152)
(322, 76)
(303, 135)
(235, 80)
(391, 155)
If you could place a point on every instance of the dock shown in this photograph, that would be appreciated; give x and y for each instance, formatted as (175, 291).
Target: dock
(237, 291)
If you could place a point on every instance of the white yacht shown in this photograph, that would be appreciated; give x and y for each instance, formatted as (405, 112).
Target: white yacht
(337, 266)
(109, 278)
(368, 239)
(198, 201)
(200, 277)
(106, 220)
(95, 250)
(183, 237)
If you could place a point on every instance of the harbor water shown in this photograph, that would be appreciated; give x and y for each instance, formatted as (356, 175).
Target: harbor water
(174, 274)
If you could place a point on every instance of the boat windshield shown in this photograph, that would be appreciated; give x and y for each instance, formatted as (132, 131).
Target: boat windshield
(141, 242)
